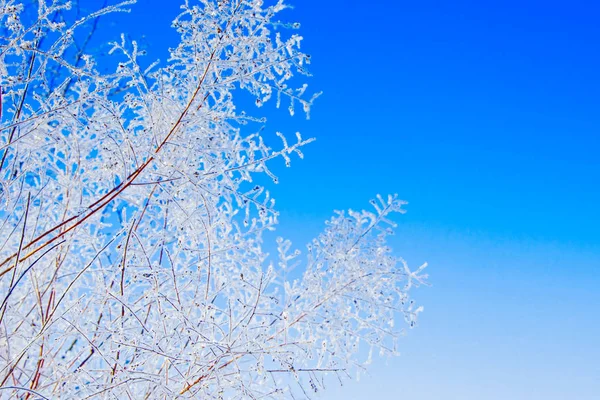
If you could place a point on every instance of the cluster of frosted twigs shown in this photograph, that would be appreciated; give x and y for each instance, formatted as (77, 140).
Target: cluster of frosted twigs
(131, 251)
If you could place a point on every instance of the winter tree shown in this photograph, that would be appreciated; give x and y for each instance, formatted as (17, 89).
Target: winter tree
(132, 261)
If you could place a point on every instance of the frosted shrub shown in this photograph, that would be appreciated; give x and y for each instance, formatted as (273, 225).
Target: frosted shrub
(131, 253)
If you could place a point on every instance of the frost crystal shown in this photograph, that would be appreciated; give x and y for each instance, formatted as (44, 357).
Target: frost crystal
(131, 251)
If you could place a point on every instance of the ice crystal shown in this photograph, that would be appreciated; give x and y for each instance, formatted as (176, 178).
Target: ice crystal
(131, 251)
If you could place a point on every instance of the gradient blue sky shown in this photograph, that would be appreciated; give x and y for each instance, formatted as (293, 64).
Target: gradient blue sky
(484, 116)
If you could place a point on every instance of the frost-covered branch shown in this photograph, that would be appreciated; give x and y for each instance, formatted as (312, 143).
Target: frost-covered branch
(132, 262)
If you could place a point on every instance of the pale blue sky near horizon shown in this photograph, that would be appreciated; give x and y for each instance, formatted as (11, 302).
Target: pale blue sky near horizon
(485, 117)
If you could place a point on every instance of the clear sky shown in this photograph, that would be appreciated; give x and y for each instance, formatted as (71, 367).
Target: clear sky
(484, 115)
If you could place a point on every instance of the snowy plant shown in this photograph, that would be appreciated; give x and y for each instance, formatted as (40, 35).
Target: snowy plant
(132, 262)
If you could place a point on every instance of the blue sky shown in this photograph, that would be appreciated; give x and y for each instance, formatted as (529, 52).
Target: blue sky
(484, 116)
